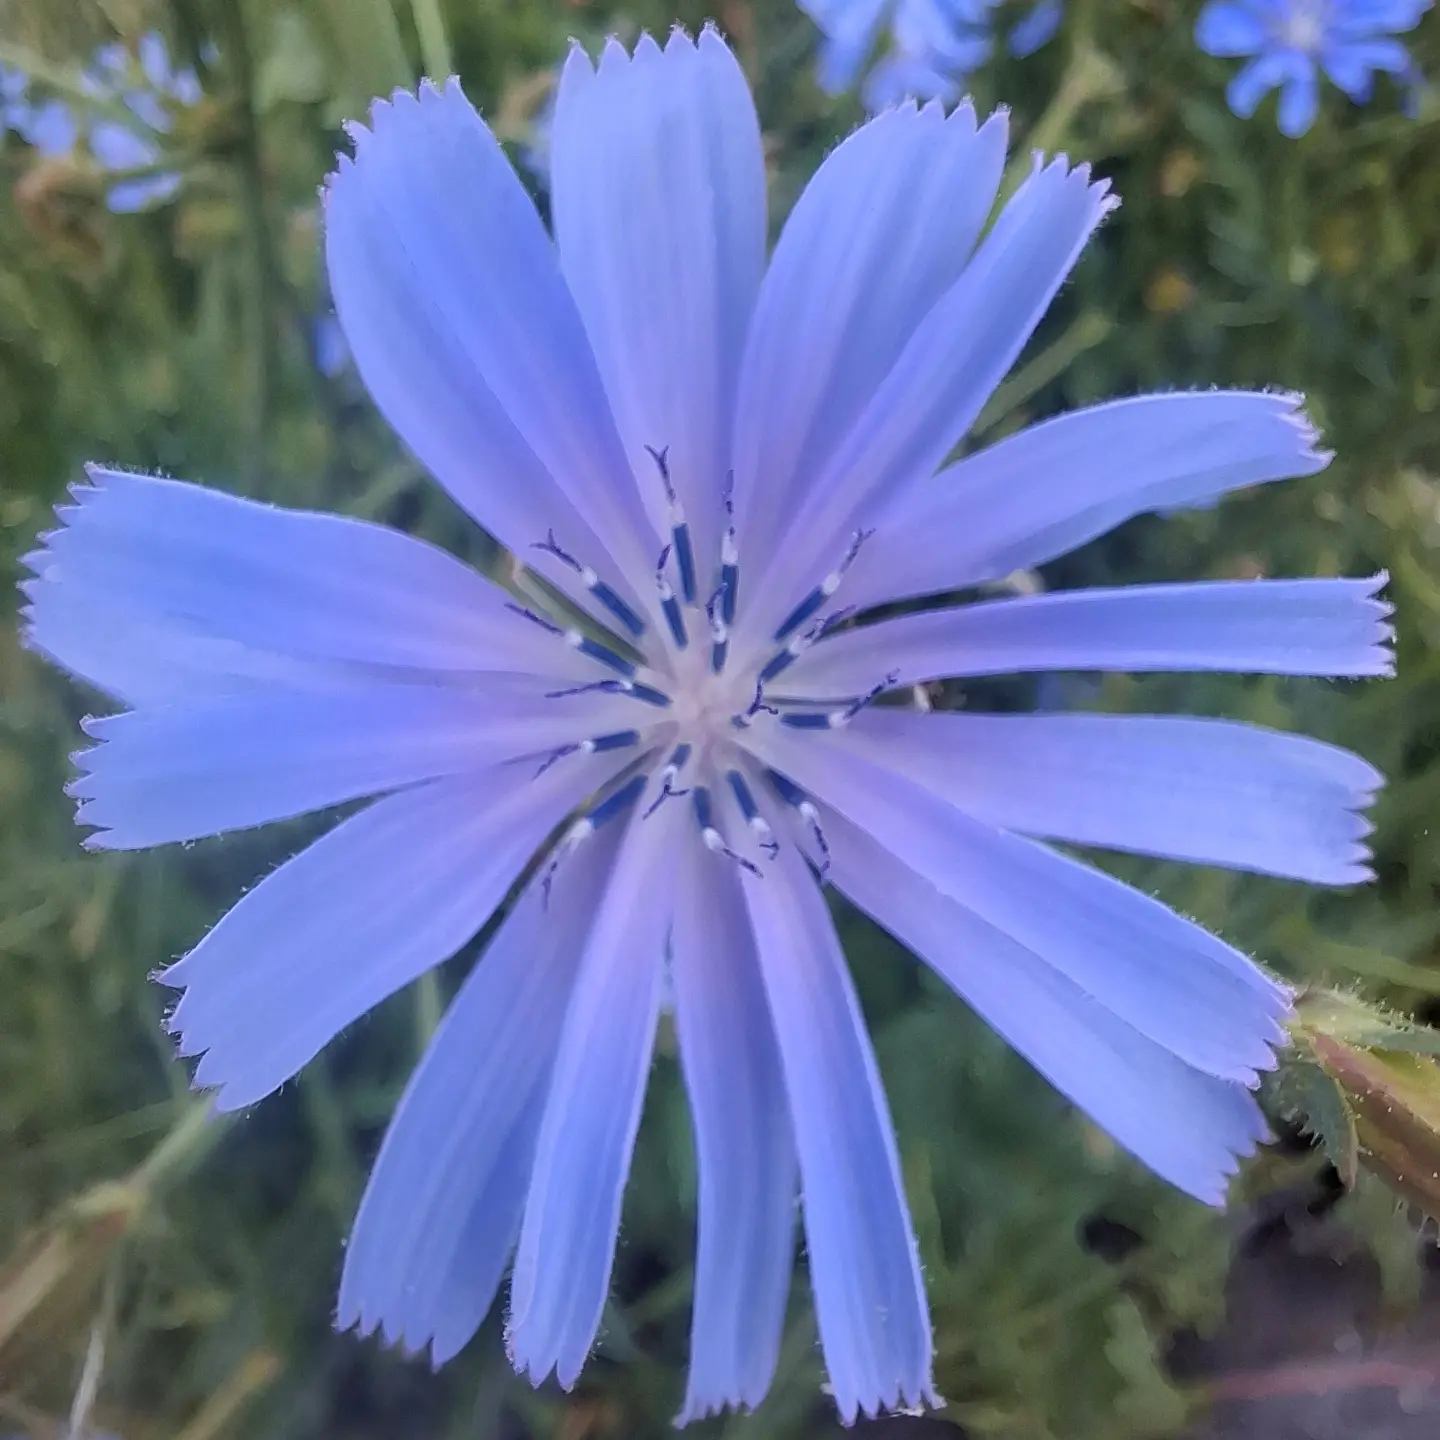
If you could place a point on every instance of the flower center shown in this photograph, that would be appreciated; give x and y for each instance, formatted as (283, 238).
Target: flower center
(695, 699)
(1303, 26)
(704, 702)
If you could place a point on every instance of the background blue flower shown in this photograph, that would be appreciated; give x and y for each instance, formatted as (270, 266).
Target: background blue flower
(148, 84)
(930, 46)
(1292, 42)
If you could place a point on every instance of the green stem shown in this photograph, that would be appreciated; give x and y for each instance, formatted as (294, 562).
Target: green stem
(265, 277)
(101, 1329)
(367, 36)
(434, 42)
(429, 1007)
(192, 1135)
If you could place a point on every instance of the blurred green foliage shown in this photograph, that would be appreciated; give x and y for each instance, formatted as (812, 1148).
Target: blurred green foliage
(178, 1278)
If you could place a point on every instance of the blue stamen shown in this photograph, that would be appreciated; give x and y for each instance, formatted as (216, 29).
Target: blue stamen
(679, 530)
(685, 558)
(673, 766)
(547, 625)
(554, 756)
(635, 689)
(605, 810)
(757, 707)
(777, 664)
(719, 631)
(813, 719)
(782, 660)
(669, 605)
(676, 621)
(838, 718)
(577, 641)
(729, 554)
(621, 800)
(824, 590)
(704, 810)
(603, 653)
(595, 687)
(616, 740)
(759, 826)
(785, 788)
(594, 584)
(804, 806)
(713, 840)
(618, 608)
(801, 613)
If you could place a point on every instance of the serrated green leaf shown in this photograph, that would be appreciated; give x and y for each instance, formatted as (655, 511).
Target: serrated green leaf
(1317, 1100)
(1364, 1023)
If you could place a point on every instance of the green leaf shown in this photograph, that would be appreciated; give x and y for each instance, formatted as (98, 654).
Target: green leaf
(1364, 1023)
(1311, 1095)
(1149, 1401)
(366, 35)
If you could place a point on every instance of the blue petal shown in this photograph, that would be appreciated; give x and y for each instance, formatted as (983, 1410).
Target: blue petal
(840, 61)
(156, 590)
(592, 1114)
(953, 360)
(148, 108)
(901, 77)
(880, 233)
(1257, 79)
(1209, 791)
(864, 1267)
(1261, 627)
(441, 1212)
(1188, 1127)
(184, 772)
(850, 28)
(953, 36)
(452, 302)
(1036, 29)
(185, 87)
(332, 354)
(132, 196)
(1163, 975)
(1231, 27)
(378, 900)
(658, 193)
(743, 1140)
(50, 128)
(1362, 19)
(943, 29)
(112, 60)
(1299, 104)
(118, 147)
(1052, 487)
(154, 59)
(1352, 67)
(14, 85)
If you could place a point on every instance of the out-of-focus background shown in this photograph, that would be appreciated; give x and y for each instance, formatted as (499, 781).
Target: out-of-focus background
(162, 305)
